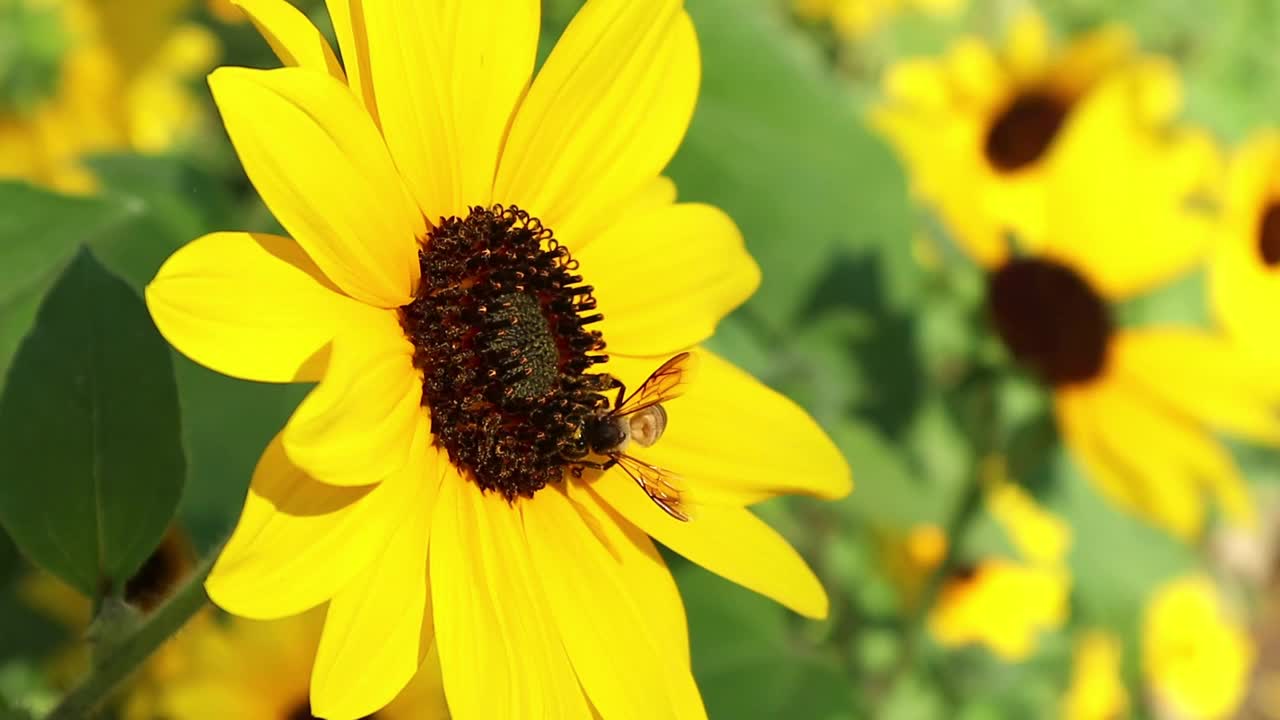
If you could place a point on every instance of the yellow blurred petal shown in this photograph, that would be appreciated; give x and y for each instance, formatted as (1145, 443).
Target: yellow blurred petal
(1002, 606)
(348, 17)
(1097, 690)
(499, 649)
(604, 115)
(292, 36)
(324, 171)
(299, 541)
(1040, 536)
(447, 77)
(664, 279)
(578, 556)
(735, 440)
(356, 427)
(378, 629)
(729, 541)
(1027, 46)
(974, 73)
(251, 306)
(1092, 57)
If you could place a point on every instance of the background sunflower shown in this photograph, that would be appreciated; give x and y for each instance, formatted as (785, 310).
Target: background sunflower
(884, 160)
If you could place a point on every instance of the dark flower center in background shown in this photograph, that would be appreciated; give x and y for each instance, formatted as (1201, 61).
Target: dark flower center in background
(499, 331)
(160, 573)
(1269, 235)
(1051, 320)
(303, 712)
(1024, 130)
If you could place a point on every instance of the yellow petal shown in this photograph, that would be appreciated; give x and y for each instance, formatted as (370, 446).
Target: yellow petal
(324, 171)
(250, 306)
(499, 651)
(1204, 377)
(348, 17)
(729, 541)
(357, 425)
(604, 116)
(578, 555)
(734, 440)
(378, 629)
(1027, 47)
(447, 77)
(299, 541)
(424, 698)
(292, 36)
(665, 278)
(1003, 606)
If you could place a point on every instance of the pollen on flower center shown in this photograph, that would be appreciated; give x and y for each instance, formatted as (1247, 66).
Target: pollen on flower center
(1269, 236)
(499, 328)
(1023, 131)
(1051, 319)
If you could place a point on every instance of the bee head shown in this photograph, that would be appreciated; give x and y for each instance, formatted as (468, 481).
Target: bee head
(606, 434)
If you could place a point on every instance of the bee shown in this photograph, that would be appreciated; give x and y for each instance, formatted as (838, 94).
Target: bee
(640, 419)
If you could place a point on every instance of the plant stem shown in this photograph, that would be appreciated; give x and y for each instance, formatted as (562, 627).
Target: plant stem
(120, 661)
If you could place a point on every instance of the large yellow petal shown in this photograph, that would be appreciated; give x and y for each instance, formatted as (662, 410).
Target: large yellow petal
(578, 555)
(378, 629)
(447, 76)
(424, 698)
(250, 306)
(665, 278)
(356, 427)
(324, 171)
(499, 652)
(735, 440)
(729, 541)
(299, 541)
(348, 18)
(604, 116)
(292, 36)
(1204, 377)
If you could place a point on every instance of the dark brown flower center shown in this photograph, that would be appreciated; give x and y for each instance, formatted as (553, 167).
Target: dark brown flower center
(160, 573)
(1269, 235)
(302, 711)
(1051, 320)
(499, 327)
(1024, 130)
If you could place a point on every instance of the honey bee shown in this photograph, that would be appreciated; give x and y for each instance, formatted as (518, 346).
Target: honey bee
(639, 419)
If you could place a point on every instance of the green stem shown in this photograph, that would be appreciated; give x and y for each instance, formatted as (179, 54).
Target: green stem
(119, 662)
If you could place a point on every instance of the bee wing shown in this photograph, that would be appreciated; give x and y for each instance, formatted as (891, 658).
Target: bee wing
(666, 383)
(662, 486)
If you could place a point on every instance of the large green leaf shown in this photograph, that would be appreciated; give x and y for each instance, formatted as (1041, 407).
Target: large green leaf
(778, 145)
(39, 232)
(89, 433)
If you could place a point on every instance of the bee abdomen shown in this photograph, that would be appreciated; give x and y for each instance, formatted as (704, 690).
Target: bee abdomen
(648, 425)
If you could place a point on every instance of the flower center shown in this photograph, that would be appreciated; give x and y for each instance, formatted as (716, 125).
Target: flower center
(302, 711)
(1051, 319)
(499, 332)
(1269, 236)
(1023, 131)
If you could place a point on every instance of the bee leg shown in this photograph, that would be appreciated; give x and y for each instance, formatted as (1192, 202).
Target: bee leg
(622, 391)
(580, 465)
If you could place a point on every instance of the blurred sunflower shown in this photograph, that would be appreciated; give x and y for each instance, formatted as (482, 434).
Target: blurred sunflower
(1000, 604)
(118, 80)
(1245, 274)
(459, 358)
(855, 19)
(254, 670)
(1116, 208)
(1097, 690)
(1196, 657)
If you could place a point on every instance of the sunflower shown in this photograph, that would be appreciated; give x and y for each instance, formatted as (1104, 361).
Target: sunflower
(976, 127)
(121, 85)
(855, 19)
(1245, 274)
(1000, 604)
(1121, 209)
(254, 670)
(1097, 690)
(1196, 656)
(466, 240)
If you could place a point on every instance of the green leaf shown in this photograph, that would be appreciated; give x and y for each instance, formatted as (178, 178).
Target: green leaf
(89, 433)
(778, 145)
(39, 232)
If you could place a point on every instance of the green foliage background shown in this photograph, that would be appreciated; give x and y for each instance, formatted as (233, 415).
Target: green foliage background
(893, 359)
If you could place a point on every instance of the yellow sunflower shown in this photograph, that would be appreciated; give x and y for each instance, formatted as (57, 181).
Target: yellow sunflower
(855, 19)
(1245, 274)
(1196, 656)
(1114, 209)
(121, 85)
(254, 670)
(1097, 690)
(1001, 604)
(976, 127)
(465, 241)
